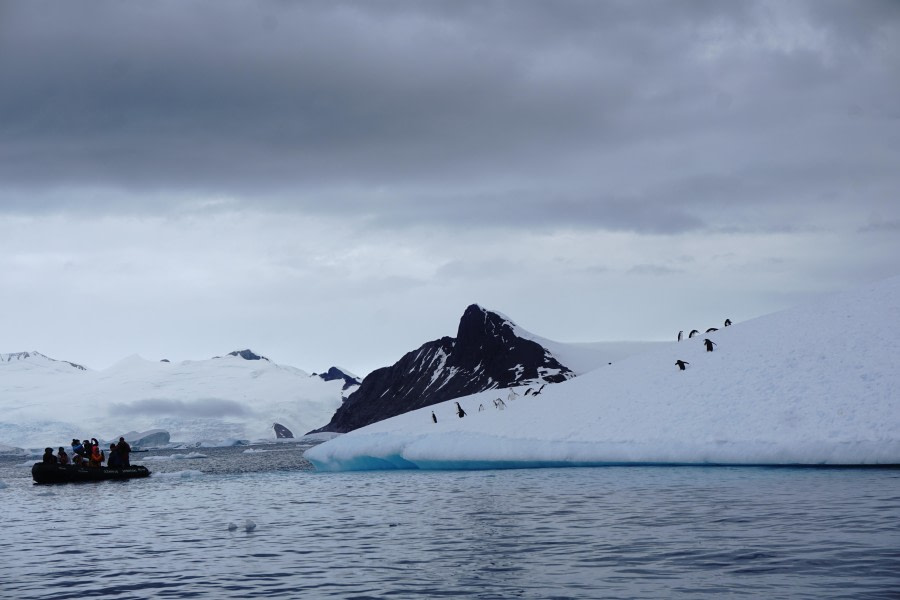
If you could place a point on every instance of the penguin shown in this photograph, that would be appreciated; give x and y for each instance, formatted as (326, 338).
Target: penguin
(528, 391)
(539, 390)
(711, 329)
(709, 344)
(499, 404)
(727, 322)
(480, 407)
(680, 335)
(681, 364)
(693, 333)
(459, 411)
(433, 417)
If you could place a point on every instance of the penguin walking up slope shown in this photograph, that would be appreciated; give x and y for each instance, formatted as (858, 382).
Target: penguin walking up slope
(681, 364)
(459, 411)
(433, 417)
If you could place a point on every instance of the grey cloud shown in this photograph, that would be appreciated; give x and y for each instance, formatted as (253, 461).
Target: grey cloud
(200, 408)
(880, 226)
(612, 115)
(653, 270)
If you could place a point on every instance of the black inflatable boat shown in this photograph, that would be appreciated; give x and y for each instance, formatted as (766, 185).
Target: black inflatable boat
(50, 473)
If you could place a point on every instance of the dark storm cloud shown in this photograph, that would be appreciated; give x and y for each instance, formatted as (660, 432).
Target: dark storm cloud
(201, 408)
(625, 116)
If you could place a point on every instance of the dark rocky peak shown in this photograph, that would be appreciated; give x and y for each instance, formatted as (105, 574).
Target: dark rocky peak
(486, 354)
(248, 355)
(478, 322)
(336, 373)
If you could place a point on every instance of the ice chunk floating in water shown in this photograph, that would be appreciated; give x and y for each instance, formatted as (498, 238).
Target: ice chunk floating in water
(814, 385)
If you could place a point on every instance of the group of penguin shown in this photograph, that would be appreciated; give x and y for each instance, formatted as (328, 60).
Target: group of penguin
(681, 364)
(499, 404)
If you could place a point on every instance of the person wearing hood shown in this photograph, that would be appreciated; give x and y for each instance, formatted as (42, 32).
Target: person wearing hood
(49, 458)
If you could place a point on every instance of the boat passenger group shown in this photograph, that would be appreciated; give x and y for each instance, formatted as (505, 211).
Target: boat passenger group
(88, 453)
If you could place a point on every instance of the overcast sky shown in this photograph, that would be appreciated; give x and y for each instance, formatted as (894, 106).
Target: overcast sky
(332, 183)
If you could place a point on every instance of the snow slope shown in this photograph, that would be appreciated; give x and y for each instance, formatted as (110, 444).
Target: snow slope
(817, 384)
(47, 402)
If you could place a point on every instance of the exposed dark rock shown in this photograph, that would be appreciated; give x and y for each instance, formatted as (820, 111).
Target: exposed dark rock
(335, 373)
(485, 354)
(247, 355)
(282, 432)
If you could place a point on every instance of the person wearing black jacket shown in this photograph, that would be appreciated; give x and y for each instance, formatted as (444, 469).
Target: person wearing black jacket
(124, 450)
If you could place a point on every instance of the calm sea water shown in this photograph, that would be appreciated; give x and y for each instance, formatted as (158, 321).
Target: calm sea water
(617, 532)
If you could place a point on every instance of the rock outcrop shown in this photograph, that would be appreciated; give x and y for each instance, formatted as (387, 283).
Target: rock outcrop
(485, 354)
(336, 373)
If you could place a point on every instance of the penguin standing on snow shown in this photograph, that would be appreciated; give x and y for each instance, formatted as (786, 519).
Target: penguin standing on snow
(433, 417)
(709, 344)
(727, 322)
(681, 364)
(680, 335)
(693, 333)
(459, 411)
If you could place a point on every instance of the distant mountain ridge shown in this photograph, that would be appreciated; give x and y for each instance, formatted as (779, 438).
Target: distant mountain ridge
(487, 353)
(26, 355)
(240, 395)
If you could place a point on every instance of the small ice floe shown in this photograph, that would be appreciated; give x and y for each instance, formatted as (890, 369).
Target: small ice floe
(232, 527)
(188, 456)
(188, 474)
(249, 525)
(255, 451)
(27, 463)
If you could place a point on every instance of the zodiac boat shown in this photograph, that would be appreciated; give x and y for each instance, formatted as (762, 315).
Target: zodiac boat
(51, 473)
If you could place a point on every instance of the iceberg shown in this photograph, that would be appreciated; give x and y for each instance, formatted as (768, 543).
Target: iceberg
(813, 385)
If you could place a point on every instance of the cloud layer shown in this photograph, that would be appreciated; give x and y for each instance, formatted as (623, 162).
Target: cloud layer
(351, 162)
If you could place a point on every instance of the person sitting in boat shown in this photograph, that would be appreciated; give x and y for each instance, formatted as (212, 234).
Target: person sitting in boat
(77, 448)
(85, 449)
(124, 450)
(97, 456)
(49, 458)
(114, 460)
(62, 456)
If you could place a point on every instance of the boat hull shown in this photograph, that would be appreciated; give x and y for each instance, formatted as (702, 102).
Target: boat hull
(50, 473)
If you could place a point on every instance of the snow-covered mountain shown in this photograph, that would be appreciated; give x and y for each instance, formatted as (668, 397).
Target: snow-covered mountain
(489, 351)
(39, 362)
(817, 384)
(237, 396)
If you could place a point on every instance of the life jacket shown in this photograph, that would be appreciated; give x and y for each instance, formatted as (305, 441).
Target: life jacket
(96, 454)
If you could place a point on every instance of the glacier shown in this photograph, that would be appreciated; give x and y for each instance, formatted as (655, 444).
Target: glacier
(47, 402)
(817, 384)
